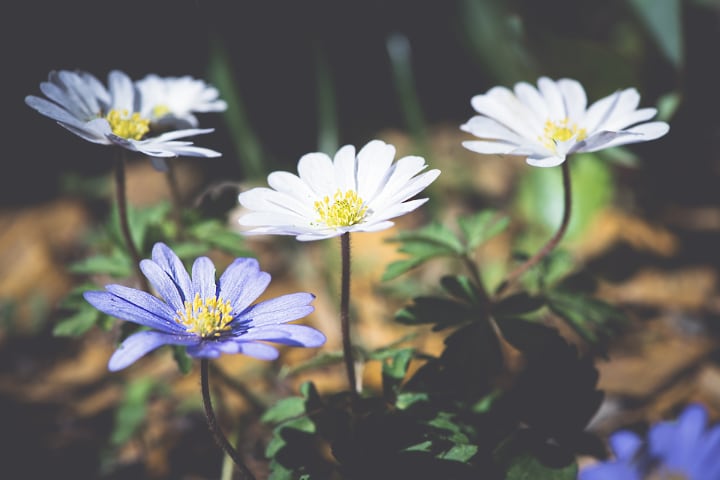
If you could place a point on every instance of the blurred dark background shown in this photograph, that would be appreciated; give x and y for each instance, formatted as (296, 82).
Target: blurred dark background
(273, 49)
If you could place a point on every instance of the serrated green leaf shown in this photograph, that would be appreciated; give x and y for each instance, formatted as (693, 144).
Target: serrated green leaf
(460, 287)
(284, 409)
(78, 323)
(117, 264)
(482, 226)
(529, 467)
(397, 268)
(459, 453)
(591, 318)
(443, 312)
(131, 413)
(434, 234)
(394, 368)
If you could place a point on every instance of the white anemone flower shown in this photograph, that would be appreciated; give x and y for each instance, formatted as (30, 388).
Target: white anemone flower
(79, 102)
(548, 123)
(173, 101)
(330, 197)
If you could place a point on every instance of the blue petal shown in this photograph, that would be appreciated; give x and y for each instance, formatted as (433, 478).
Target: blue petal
(141, 343)
(708, 456)
(625, 444)
(168, 261)
(610, 471)
(203, 278)
(293, 335)
(283, 309)
(134, 306)
(161, 281)
(242, 283)
(213, 349)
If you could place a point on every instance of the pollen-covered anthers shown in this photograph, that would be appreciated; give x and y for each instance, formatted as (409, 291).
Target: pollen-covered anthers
(562, 131)
(160, 111)
(343, 210)
(125, 125)
(207, 318)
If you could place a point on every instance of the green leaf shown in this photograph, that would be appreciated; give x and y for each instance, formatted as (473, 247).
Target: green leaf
(78, 323)
(434, 234)
(216, 234)
(667, 105)
(182, 359)
(284, 409)
(394, 368)
(528, 467)
(593, 319)
(663, 20)
(460, 287)
(443, 312)
(481, 227)
(117, 264)
(525, 456)
(398, 267)
(132, 411)
(459, 453)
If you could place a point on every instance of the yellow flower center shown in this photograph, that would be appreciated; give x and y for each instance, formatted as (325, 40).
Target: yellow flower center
(343, 210)
(207, 318)
(561, 131)
(160, 111)
(124, 125)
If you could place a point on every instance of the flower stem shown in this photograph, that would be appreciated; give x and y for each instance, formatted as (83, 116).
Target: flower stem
(121, 199)
(176, 198)
(552, 243)
(220, 438)
(345, 313)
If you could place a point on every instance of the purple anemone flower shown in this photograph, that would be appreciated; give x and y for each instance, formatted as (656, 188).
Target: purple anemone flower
(206, 316)
(685, 449)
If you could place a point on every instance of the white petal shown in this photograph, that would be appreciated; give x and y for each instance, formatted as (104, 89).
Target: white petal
(631, 118)
(346, 168)
(490, 129)
(545, 161)
(553, 98)
(316, 170)
(293, 186)
(489, 148)
(500, 104)
(121, 91)
(531, 98)
(574, 98)
(640, 133)
(373, 163)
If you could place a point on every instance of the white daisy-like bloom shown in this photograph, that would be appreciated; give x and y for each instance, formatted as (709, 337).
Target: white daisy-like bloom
(330, 197)
(173, 101)
(78, 101)
(550, 122)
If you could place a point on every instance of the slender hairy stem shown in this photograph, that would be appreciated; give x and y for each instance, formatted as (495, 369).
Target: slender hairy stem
(121, 199)
(176, 198)
(220, 438)
(552, 243)
(345, 312)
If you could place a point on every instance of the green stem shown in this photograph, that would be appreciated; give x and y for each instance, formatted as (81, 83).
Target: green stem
(552, 243)
(220, 438)
(345, 313)
(121, 199)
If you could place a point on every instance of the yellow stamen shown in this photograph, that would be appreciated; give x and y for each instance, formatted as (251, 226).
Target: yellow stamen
(207, 318)
(561, 131)
(343, 210)
(160, 111)
(128, 126)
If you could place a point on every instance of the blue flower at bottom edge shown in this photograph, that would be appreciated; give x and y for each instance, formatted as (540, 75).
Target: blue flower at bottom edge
(207, 317)
(684, 449)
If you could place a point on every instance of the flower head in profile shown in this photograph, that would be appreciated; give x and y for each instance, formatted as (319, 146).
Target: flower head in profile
(206, 316)
(79, 102)
(329, 197)
(686, 448)
(547, 123)
(171, 102)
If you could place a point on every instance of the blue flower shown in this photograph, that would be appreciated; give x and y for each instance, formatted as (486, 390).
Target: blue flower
(207, 317)
(684, 449)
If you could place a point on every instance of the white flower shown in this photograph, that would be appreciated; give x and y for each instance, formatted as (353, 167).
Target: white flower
(547, 123)
(110, 116)
(331, 197)
(172, 101)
